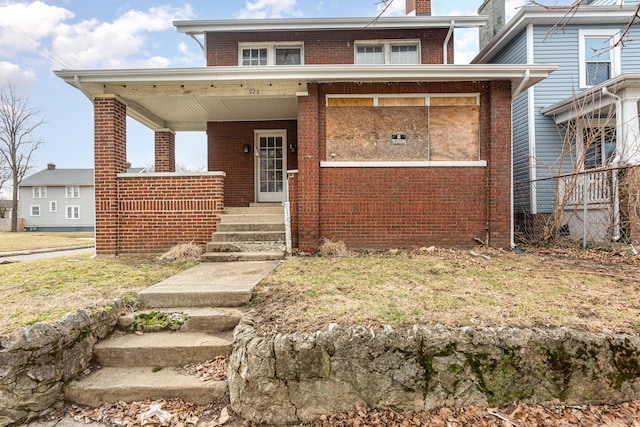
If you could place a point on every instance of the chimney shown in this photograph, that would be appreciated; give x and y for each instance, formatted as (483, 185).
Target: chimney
(51, 166)
(418, 7)
(494, 9)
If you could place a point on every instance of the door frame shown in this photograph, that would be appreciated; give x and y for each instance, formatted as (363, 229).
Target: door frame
(257, 133)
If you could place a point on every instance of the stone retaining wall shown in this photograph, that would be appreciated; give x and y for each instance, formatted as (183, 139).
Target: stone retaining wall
(298, 377)
(35, 362)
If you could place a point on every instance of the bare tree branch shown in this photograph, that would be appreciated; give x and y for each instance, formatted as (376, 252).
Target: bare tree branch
(18, 143)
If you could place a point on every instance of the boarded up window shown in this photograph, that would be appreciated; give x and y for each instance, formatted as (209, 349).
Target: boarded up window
(436, 128)
(453, 132)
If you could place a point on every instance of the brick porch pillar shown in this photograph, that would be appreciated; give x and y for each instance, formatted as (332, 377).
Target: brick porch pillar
(110, 156)
(499, 163)
(308, 171)
(165, 150)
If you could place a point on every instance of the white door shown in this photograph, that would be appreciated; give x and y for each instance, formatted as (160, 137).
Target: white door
(271, 165)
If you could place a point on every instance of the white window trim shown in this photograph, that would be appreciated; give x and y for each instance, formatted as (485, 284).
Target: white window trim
(70, 187)
(43, 192)
(613, 35)
(66, 212)
(31, 210)
(271, 51)
(582, 127)
(386, 47)
(53, 206)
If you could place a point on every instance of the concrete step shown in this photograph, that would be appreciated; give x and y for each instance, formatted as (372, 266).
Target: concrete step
(108, 385)
(208, 285)
(265, 205)
(275, 210)
(204, 319)
(241, 256)
(259, 227)
(278, 246)
(159, 349)
(251, 218)
(247, 236)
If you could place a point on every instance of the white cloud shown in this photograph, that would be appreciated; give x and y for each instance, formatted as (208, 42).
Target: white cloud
(396, 8)
(24, 25)
(117, 44)
(261, 9)
(14, 75)
(465, 45)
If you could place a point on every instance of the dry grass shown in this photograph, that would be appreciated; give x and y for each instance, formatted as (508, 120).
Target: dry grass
(28, 241)
(454, 288)
(48, 289)
(183, 252)
(331, 248)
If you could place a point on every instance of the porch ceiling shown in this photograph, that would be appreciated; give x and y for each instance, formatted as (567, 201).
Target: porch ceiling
(185, 99)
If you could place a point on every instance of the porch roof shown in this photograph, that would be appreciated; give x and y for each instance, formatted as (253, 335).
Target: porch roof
(185, 99)
(591, 100)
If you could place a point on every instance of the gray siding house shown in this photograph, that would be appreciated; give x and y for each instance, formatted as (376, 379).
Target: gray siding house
(58, 200)
(574, 129)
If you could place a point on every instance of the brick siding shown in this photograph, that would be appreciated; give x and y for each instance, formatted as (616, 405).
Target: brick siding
(165, 151)
(225, 153)
(158, 212)
(325, 47)
(293, 207)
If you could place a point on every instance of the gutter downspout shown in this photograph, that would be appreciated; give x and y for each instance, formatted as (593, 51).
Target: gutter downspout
(445, 56)
(617, 159)
(525, 80)
(78, 83)
(197, 41)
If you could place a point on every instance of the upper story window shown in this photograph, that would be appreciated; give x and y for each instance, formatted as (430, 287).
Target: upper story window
(387, 52)
(252, 55)
(599, 58)
(72, 192)
(39, 192)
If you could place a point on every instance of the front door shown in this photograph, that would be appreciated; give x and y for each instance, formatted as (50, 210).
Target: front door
(271, 165)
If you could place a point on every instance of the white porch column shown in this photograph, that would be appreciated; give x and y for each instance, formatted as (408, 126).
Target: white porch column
(628, 128)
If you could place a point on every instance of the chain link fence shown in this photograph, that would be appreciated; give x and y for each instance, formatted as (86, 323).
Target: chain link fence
(593, 208)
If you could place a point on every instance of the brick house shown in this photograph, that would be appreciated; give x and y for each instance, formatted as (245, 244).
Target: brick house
(364, 126)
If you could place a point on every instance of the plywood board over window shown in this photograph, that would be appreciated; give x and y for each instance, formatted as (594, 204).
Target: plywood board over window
(454, 124)
(427, 128)
(364, 133)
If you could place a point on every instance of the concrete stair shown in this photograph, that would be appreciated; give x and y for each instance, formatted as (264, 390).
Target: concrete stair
(136, 366)
(254, 233)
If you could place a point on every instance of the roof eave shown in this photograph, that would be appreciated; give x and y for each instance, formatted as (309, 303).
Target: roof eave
(320, 24)
(534, 14)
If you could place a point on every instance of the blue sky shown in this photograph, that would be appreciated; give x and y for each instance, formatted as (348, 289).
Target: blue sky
(37, 37)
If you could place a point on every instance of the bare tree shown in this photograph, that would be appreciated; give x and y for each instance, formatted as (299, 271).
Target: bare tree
(18, 142)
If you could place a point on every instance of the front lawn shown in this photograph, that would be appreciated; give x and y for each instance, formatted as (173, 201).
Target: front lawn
(595, 291)
(23, 241)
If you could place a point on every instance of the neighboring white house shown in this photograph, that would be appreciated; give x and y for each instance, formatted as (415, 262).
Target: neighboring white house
(58, 200)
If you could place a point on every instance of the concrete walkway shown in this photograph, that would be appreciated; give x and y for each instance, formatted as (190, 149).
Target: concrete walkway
(36, 254)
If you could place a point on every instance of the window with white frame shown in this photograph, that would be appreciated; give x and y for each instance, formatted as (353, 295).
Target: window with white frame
(35, 210)
(73, 212)
(598, 146)
(53, 206)
(387, 52)
(261, 54)
(72, 192)
(599, 57)
(39, 192)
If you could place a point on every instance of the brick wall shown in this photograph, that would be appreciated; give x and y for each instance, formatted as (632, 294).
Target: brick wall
(325, 47)
(226, 141)
(293, 208)
(400, 207)
(382, 207)
(158, 212)
(165, 151)
(110, 159)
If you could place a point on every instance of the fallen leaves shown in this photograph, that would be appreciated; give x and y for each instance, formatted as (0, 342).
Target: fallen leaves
(215, 369)
(519, 415)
